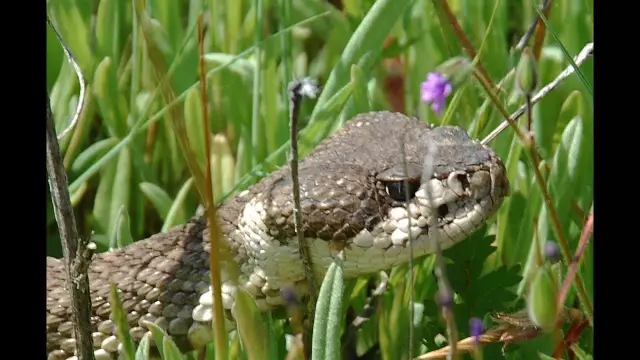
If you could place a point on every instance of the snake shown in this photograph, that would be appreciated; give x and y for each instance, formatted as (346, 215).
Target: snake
(353, 199)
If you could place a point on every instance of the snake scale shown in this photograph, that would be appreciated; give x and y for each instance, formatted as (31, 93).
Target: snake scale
(352, 198)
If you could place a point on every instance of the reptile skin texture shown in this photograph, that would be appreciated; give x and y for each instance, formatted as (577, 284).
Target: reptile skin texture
(352, 200)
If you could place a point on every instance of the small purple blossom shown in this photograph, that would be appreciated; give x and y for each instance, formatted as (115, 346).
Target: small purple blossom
(444, 298)
(289, 297)
(551, 251)
(476, 327)
(435, 91)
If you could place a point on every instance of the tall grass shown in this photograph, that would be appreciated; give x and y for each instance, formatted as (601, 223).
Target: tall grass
(129, 178)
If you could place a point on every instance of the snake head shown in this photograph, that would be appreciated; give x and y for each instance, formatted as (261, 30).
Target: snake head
(353, 198)
(457, 187)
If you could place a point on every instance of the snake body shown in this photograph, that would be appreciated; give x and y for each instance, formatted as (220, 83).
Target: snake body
(352, 199)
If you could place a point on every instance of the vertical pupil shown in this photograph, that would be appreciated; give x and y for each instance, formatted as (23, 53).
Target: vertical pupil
(395, 189)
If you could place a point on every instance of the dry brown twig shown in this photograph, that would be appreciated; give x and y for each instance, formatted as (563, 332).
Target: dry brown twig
(77, 251)
(527, 35)
(573, 267)
(215, 257)
(509, 329)
(297, 90)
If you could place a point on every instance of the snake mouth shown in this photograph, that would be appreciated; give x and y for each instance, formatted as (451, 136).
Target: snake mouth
(450, 209)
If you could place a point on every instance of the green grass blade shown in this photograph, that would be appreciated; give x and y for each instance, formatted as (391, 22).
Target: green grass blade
(381, 60)
(158, 337)
(103, 198)
(257, 124)
(568, 56)
(72, 22)
(359, 91)
(535, 208)
(327, 323)
(580, 353)
(567, 179)
(121, 190)
(111, 103)
(169, 17)
(193, 123)
(251, 326)
(122, 325)
(109, 20)
(60, 95)
(158, 197)
(544, 356)
(176, 214)
(370, 34)
(171, 351)
(221, 161)
(144, 121)
(92, 153)
(142, 353)
(121, 233)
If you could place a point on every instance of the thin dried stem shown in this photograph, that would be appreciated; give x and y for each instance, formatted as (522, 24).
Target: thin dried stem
(214, 233)
(298, 89)
(584, 54)
(256, 131)
(81, 80)
(510, 120)
(407, 197)
(541, 29)
(509, 329)
(534, 157)
(447, 309)
(445, 292)
(557, 228)
(466, 44)
(573, 268)
(529, 106)
(77, 252)
(527, 35)
(467, 344)
(570, 339)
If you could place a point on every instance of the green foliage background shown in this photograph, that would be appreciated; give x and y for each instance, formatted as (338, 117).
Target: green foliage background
(129, 179)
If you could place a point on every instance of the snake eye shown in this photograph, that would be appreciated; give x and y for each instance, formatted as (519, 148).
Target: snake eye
(395, 189)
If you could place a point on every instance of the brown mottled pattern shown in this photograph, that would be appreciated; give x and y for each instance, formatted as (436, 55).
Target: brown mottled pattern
(158, 279)
(334, 206)
(161, 277)
(339, 191)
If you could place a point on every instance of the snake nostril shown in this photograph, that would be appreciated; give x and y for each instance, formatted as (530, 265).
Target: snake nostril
(464, 181)
(443, 210)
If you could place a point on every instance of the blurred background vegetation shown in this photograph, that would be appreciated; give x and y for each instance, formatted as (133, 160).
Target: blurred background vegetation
(129, 179)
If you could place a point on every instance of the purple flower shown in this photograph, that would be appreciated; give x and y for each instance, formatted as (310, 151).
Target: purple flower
(551, 251)
(476, 327)
(289, 297)
(435, 91)
(444, 298)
